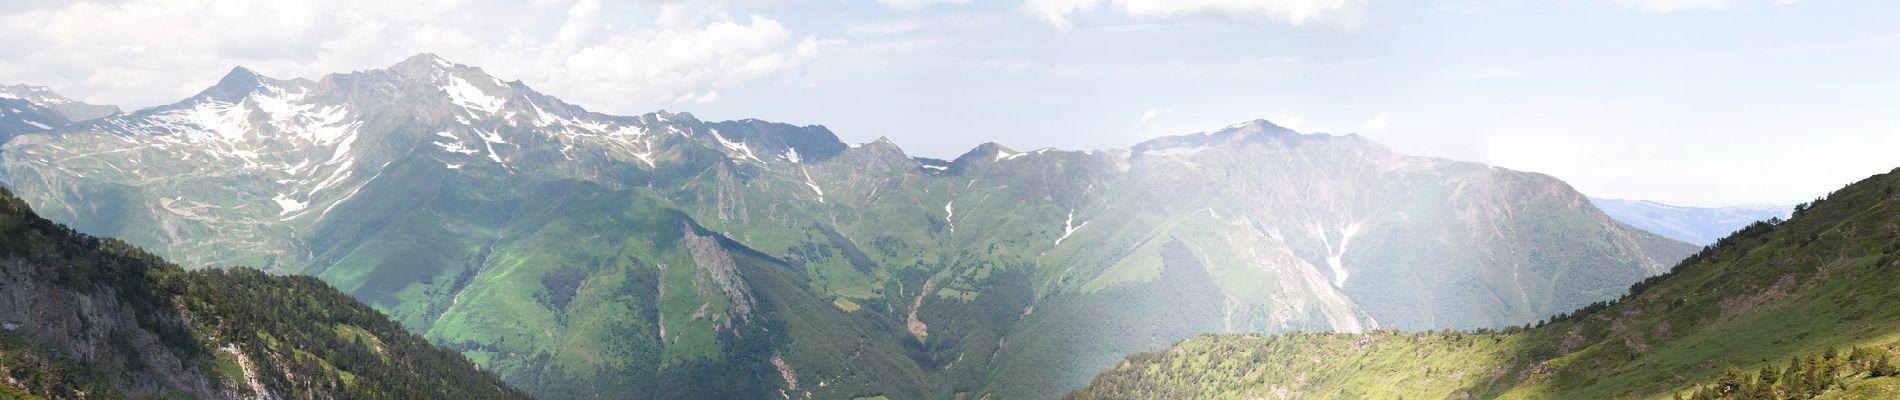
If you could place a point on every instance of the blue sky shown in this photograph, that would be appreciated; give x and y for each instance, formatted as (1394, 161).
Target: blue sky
(1695, 102)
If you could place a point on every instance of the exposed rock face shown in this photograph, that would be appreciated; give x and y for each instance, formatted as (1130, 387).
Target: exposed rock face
(713, 260)
(122, 340)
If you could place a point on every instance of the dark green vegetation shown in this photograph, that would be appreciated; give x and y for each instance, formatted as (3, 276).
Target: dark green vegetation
(578, 254)
(1808, 377)
(94, 318)
(1760, 314)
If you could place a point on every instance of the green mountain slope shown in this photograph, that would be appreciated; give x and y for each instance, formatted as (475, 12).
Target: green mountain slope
(1807, 290)
(96, 318)
(580, 254)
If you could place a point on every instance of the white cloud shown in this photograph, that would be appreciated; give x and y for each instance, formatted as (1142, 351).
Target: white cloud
(689, 55)
(1343, 13)
(1056, 12)
(1153, 113)
(1294, 122)
(1675, 5)
(1377, 123)
(885, 28)
(1492, 73)
(917, 4)
(626, 56)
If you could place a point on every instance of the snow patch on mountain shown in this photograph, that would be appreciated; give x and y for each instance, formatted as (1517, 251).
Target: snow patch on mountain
(455, 146)
(287, 204)
(950, 210)
(491, 136)
(341, 172)
(1069, 227)
(214, 120)
(1335, 255)
(738, 146)
(813, 184)
(471, 98)
(1178, 151)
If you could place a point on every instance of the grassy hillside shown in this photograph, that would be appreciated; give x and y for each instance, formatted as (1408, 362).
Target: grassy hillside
(1814, 294)
(85, 317)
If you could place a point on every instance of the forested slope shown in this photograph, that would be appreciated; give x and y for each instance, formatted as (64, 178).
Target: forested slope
(85, 317)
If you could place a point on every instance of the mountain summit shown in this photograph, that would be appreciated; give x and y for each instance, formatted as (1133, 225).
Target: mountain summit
(585, 255)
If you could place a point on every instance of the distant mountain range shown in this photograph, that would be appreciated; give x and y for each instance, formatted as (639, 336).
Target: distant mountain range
(583, 255)
(1695, 225)
(1801, 309)
(35, 108)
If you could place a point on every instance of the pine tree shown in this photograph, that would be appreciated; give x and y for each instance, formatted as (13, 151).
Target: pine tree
(1733, 381)
(1793, 381)
(1883, 366)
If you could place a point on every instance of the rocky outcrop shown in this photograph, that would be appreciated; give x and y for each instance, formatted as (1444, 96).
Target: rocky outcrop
(713, 261)
(134, 348)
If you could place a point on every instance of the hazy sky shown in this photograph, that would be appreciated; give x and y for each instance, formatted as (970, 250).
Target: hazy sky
(1695, 102)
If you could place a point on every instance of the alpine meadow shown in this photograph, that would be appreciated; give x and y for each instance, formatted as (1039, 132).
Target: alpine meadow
(1021, 200)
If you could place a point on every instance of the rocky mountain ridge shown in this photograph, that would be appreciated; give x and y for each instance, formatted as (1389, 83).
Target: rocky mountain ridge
(573, 253)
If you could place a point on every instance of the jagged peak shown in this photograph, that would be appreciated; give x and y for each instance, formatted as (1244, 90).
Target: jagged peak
(1258, 125)
(440, 71)
(663, 116)
(881, 145)
(1249, 130)
(237, 84)
(241, 74)
(423, 62)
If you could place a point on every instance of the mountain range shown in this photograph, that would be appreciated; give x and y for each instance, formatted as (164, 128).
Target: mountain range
(1777, 310)
(579, 254)
(1695, 225)
(26, 108)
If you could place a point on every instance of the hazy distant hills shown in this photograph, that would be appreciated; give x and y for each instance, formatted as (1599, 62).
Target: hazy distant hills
(579, 254)
(1798, 309)
(1695, 225)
